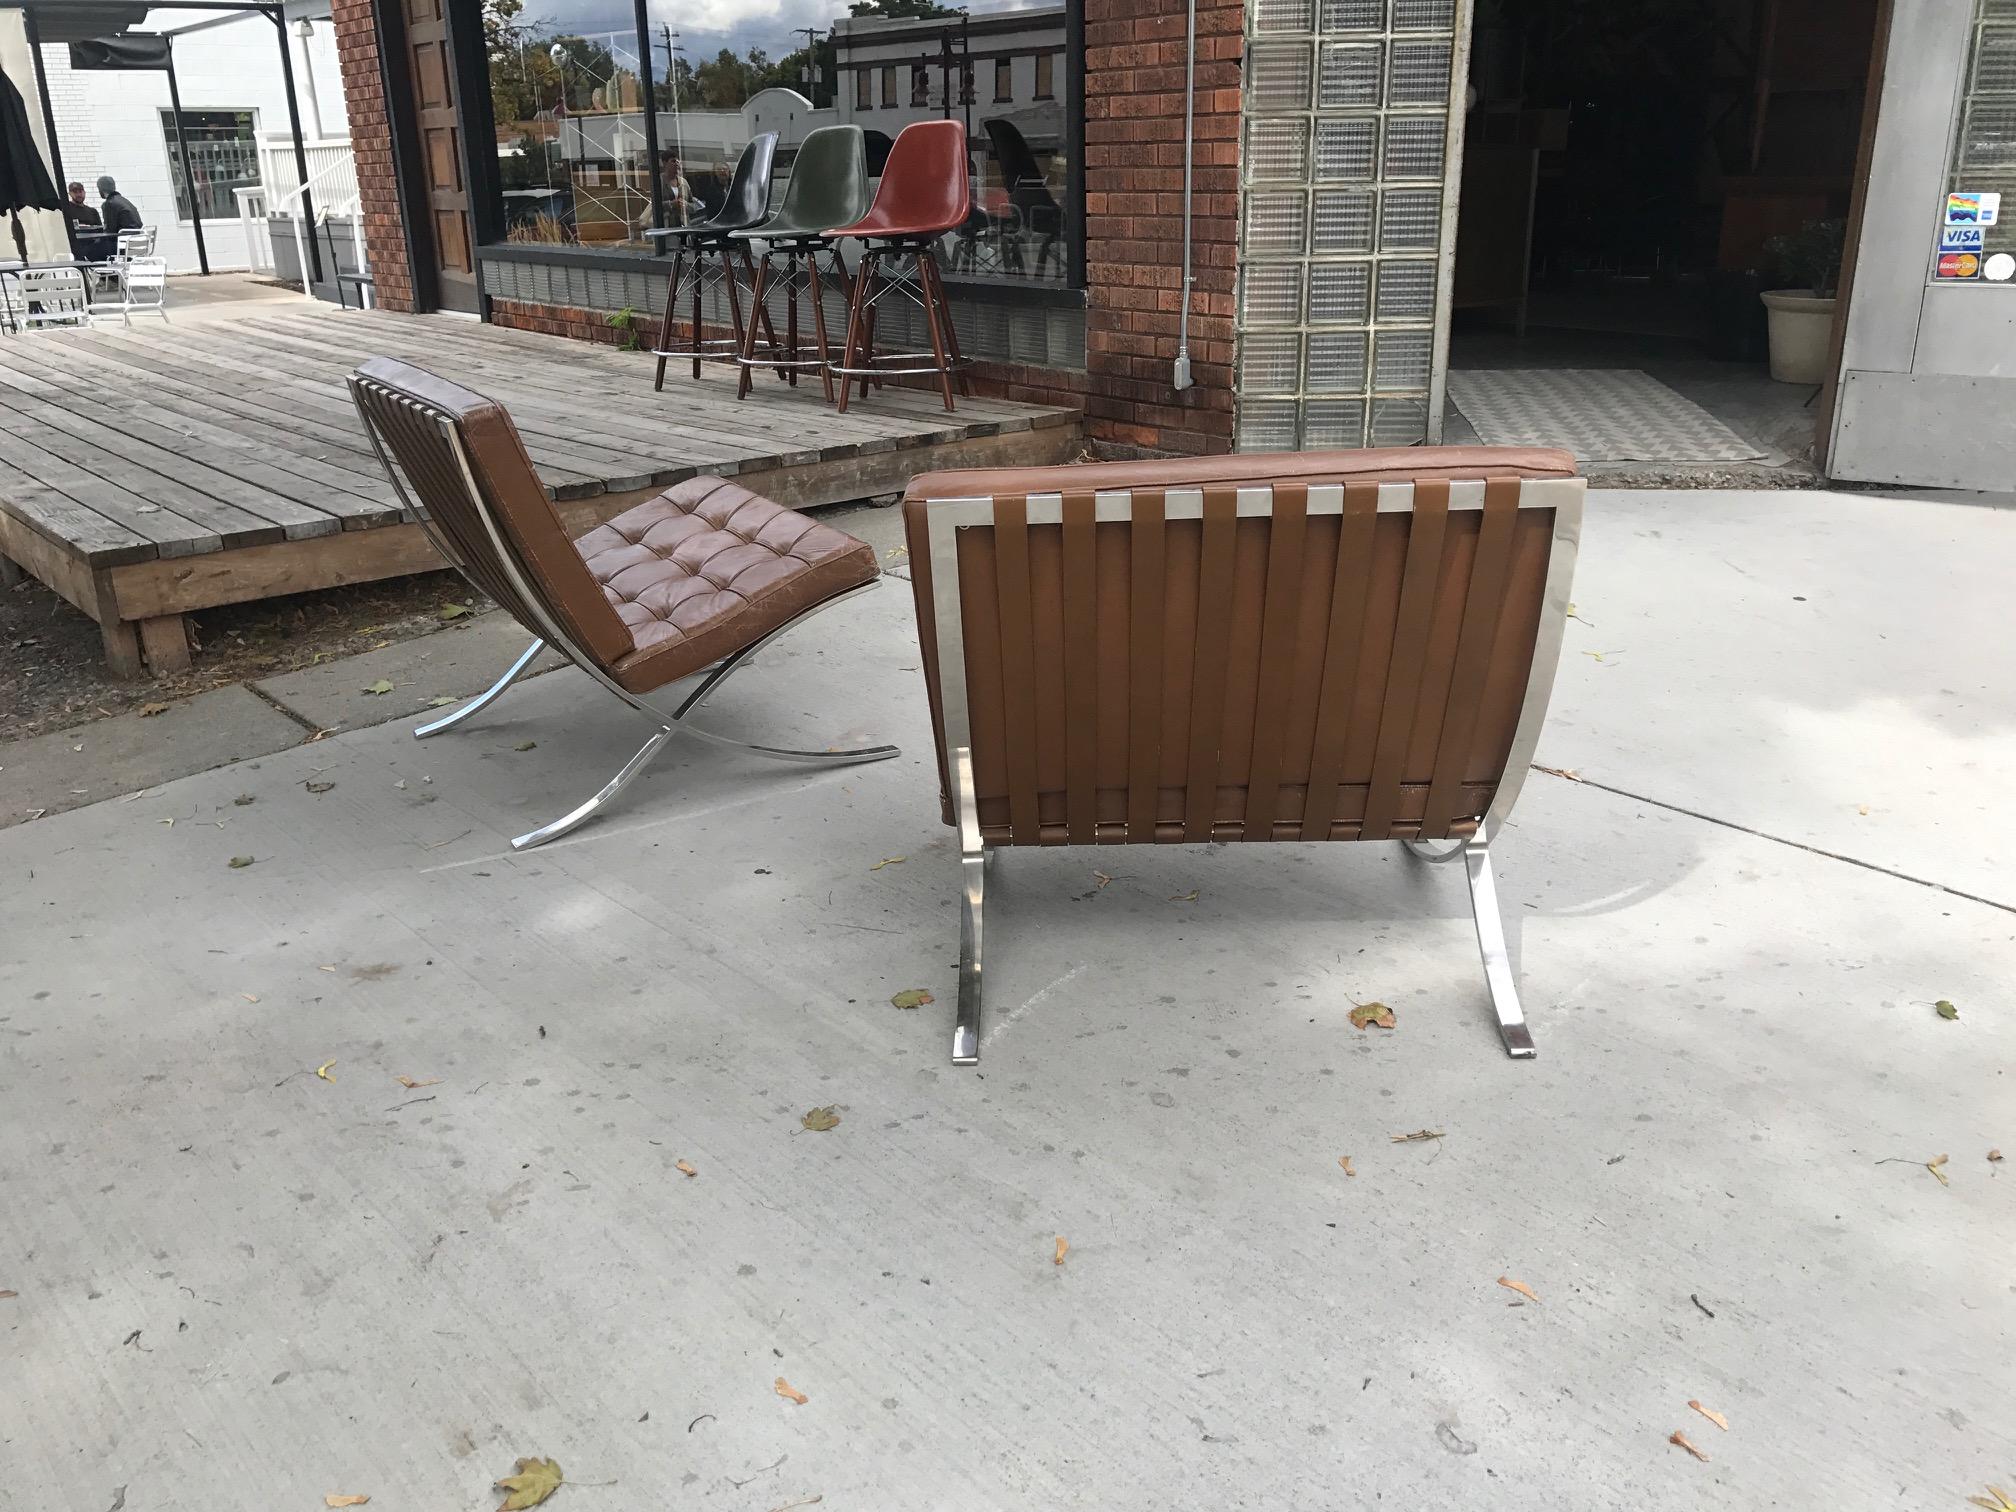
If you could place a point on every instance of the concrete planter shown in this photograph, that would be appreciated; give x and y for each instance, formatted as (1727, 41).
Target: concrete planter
(1801, 323)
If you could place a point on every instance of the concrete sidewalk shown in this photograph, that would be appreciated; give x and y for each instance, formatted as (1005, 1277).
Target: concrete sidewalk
(241, 1285)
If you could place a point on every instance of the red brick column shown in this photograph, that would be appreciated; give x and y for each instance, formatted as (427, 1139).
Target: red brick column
(1134, 221)
(371, 139)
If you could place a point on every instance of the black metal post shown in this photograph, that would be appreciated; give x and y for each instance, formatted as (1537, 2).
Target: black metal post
(34, 38)
(188, 170)
(643, 22)
(313, 273)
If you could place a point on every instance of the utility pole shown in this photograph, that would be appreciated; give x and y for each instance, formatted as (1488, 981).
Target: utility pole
(672, 51)
(809, 74)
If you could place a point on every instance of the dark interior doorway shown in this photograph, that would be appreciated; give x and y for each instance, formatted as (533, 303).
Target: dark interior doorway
(1637, 171)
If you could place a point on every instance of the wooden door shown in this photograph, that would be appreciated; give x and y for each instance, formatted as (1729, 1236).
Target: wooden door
(444, 191)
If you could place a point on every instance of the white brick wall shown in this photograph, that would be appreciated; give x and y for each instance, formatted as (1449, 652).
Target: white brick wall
(114, 122)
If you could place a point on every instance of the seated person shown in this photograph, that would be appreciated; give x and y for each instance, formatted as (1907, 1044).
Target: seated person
(119, 213)
(79, 214)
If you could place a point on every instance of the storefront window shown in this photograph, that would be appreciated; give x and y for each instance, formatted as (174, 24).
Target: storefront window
(574, 126)
(1981, 206)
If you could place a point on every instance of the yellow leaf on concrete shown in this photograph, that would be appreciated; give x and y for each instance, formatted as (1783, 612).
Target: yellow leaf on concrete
(790, 1393)
(409, 1083)
(380, 687)
(1063, 1245)
(323, 1070)
(1520, 1287)
(819, 1120)
(1994, 1154)
(1371, 1013)
(888, 861)
(1933, 1166)
(1345, 1161)
(1713, 1416)
(337, 1499)
(2002, 1503)
(533, 1481)
(1102, 879)
(149, 710)
(1945, 1010)
(1189, 897)
(1418, 1134)
(912, 997)
(685, 1169)
(1688, 1444)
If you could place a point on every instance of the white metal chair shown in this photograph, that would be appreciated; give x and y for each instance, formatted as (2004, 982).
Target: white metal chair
(134, 244)
(143, 285)
(53, 297)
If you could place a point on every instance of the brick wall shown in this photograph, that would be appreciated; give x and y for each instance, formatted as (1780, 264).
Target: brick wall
(371, 137)
(1134, 221)
(1134, 225)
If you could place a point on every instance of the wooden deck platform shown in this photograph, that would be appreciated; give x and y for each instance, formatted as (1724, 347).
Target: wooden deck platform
(146, 473)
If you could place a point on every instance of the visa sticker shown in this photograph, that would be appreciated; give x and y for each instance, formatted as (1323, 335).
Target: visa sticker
(1967, 209)
(1958, 265)
(1961, 238)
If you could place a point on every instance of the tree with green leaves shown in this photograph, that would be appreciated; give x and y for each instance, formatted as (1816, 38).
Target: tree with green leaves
(902, 10)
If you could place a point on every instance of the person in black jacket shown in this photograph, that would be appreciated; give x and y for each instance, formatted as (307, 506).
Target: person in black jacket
(119, 213)
(78, 213)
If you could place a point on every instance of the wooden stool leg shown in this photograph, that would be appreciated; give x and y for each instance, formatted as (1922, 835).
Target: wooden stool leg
(951, 330)
(745, 380)
(850, 350)
(762, 314)
(671, 309)
(699, 287)
(934, 310)
(791, 312)
(819, 317)
(734, 286)
(868, 331)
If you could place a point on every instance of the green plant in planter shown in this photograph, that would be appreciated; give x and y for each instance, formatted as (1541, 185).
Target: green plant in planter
(624, 323)
(1810, 258)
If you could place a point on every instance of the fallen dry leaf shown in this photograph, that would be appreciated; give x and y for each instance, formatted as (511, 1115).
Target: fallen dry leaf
(239, 863)
(533, 1481)
(1063, 1245)
(526, 745)
(243, 800)
(1688, 1444)
(381, 686)
(1994, 1154)
(1520, 1287)
(1933, 1166)
(819, 1120)
(683, 1168)
(6, 1295)
(443, 701)
(912, 997)
(1102, 880)
(149, 710)
(1345, 1161)
(248, 997)
(1569, 772)
(888, 861)
(406, 1081)
(323, 1071)
(1189, 897)
(2000, 1504)
(454, 611)
(318, 787)
(1416, 1135)
(1945, 1009)
(335, 1499)
(1712, 1415)
(1371, 1013)
(790, 1393)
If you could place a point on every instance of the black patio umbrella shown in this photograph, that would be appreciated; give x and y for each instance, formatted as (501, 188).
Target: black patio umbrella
(25, 183)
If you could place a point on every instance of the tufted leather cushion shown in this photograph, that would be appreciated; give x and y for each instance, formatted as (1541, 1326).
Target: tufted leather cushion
(707, 567)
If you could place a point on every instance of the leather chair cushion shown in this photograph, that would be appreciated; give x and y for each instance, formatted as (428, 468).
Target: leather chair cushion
(706, 568)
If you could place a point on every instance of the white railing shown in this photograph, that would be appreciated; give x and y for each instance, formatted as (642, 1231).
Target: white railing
(333, 189)
(258, 233)
(331, 165)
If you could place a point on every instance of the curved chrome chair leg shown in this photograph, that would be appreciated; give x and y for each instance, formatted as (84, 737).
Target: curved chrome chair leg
(973, 893)
(1476, 854)
(646, 754)
(483, 700)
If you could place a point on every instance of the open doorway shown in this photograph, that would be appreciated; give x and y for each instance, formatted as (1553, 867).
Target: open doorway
(1636, 173)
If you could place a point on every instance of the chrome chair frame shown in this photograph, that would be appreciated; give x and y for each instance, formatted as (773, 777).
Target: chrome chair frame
(948, 516)
(550, 633)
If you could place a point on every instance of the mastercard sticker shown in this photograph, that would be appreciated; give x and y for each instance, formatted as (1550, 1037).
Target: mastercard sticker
(1958, 265)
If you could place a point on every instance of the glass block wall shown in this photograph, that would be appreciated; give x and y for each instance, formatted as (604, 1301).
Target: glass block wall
(1350, 147)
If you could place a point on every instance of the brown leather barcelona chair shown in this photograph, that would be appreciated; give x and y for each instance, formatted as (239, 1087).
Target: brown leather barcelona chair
(1329, 646)
(687, 585)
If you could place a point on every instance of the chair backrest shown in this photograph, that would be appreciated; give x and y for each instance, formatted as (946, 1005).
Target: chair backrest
(748, 198)
(475, 492)
(146, 280)
(927, 183)
(829, 179)
(54, 296)
(137, 243)
(1327, 646)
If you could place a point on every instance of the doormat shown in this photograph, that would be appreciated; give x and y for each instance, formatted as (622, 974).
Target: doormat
(1600, 414)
